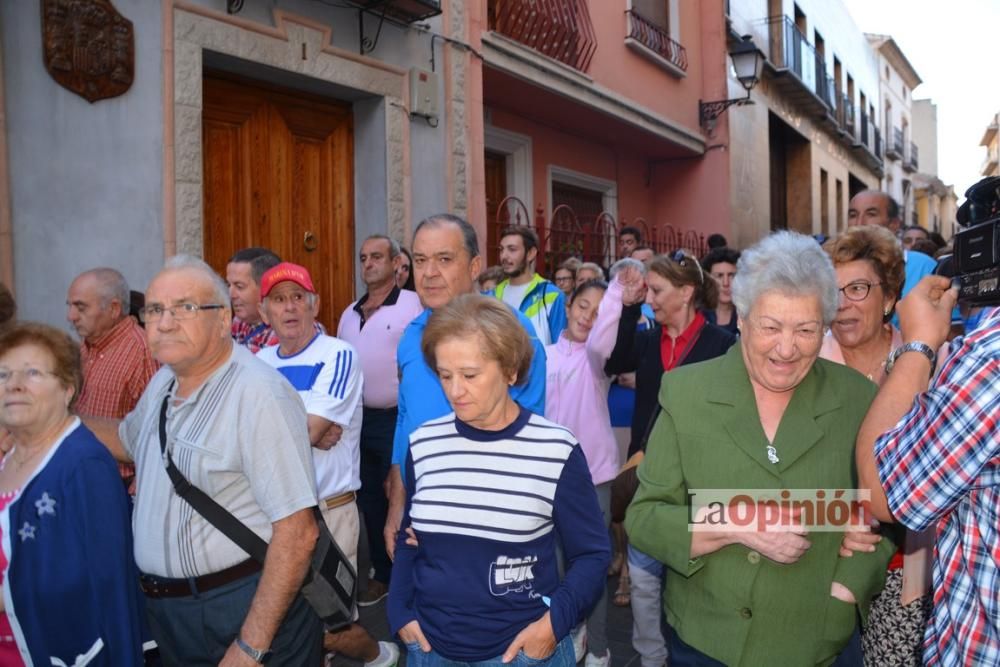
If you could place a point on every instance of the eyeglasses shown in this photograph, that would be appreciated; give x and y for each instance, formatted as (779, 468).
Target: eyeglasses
(30, 375)
(681, 258)
(857, 290)
(181, 311)
(564, 279)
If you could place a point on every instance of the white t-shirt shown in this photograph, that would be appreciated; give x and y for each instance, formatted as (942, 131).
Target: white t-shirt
(327, 375)
(513, 295)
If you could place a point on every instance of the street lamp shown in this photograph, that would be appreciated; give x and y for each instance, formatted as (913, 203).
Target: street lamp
(748, 61)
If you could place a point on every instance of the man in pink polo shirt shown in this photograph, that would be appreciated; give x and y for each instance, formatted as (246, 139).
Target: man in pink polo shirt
(373, 325)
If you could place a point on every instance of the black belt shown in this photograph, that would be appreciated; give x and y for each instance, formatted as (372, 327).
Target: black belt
(378, 411)
(162, 587)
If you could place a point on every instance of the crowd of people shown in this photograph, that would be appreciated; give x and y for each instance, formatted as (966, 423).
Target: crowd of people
(492, 445)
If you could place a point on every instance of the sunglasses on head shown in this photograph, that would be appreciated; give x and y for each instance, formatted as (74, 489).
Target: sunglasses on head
(681, 258)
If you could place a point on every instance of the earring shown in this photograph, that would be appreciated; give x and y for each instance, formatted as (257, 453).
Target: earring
(886, 312)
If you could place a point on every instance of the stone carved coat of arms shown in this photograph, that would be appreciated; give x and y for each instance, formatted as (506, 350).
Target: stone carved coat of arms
(88, 46)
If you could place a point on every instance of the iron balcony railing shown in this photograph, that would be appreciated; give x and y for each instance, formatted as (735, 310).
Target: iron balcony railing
(846, 115)
(897, 140)
(826, 87)
(559, 29)
(789, 49)
(878, 141)
(863, 136)
(656, 39)
(913, 159)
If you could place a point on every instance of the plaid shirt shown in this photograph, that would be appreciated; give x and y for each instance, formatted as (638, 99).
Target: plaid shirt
(257, 336)
(116, 368)
(941, 465)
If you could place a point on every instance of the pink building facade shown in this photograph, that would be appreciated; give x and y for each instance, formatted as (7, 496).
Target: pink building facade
(592, 124)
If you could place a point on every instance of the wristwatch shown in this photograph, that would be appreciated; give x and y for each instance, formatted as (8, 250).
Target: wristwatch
(913, 346)
(260, 657)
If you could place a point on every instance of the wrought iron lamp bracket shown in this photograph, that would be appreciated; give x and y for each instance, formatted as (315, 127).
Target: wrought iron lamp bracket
(709, 112)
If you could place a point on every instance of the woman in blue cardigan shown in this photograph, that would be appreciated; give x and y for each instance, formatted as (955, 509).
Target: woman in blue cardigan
(70, 587)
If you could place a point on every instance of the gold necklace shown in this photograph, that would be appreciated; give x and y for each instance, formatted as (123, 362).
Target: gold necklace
(877, 371)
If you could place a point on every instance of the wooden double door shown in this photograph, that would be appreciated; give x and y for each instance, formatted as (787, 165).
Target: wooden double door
(278, 173)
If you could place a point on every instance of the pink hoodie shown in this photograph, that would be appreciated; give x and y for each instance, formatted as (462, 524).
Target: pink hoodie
(576, 388)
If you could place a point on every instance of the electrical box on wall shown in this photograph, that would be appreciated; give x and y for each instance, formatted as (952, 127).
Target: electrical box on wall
(423, 93)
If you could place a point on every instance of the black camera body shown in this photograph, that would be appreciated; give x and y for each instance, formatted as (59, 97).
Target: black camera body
(975, 264)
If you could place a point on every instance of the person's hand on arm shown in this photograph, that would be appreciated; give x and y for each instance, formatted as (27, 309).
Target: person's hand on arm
(292, 542)
(783, 542)
(925, 316)
(323, 433)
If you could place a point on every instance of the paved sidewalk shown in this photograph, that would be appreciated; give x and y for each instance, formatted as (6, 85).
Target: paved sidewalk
(619, 632)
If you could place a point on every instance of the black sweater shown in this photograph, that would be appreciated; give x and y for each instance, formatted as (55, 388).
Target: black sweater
(639, 351)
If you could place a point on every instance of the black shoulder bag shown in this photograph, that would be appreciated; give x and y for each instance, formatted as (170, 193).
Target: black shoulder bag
(331, 582)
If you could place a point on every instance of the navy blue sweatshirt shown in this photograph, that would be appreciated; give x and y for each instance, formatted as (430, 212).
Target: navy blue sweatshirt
(487, 508)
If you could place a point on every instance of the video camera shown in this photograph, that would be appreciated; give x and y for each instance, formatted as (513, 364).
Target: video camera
(975, 265)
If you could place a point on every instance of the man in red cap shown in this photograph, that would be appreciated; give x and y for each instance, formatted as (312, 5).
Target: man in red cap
(326, 372)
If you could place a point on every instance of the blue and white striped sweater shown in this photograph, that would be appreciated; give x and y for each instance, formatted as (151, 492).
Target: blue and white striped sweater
(487, 508)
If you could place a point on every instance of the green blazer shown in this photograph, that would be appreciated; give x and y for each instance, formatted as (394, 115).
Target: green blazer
(736, 605)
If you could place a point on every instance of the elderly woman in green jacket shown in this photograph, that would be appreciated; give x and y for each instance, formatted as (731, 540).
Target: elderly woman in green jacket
(767, 417)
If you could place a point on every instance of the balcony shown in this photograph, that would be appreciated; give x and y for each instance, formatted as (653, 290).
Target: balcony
(845, 117)
(894, 145)
(652, 41)
(911, 163)
(868, 144)
(559, 29)
(407, 11)
(799, 71)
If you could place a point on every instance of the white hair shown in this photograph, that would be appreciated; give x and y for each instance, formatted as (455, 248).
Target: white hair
(622, 263)
(788, 263)
(220, 292)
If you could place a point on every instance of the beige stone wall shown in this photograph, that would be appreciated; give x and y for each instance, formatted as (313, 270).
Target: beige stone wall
(750, 169)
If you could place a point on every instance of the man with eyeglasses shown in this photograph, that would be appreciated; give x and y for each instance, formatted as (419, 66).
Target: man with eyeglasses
(117, 364)
(237, 431)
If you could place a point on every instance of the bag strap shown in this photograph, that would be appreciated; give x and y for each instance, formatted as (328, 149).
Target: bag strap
(212, 511)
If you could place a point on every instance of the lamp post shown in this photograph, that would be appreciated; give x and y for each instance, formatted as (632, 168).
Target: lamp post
(748, 61)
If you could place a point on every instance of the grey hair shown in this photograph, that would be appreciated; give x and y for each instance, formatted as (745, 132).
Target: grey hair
(592, 267)
(788, 263)
(111, 285)
(469, 238)
(622, 263)
(220, 292)
(393, 244)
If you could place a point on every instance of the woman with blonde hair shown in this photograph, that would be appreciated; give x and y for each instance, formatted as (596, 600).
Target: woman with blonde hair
(870, 268)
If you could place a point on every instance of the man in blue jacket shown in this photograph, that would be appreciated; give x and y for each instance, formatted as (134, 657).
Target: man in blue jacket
(539, 299)
(446, 263)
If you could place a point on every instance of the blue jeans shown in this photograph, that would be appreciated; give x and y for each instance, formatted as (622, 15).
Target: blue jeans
(562, 657)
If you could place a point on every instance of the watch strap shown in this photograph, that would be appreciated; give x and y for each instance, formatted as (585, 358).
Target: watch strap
(260, 657)
(912, 346)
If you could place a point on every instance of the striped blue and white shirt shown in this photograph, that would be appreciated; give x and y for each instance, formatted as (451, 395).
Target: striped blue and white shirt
(488, 508)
